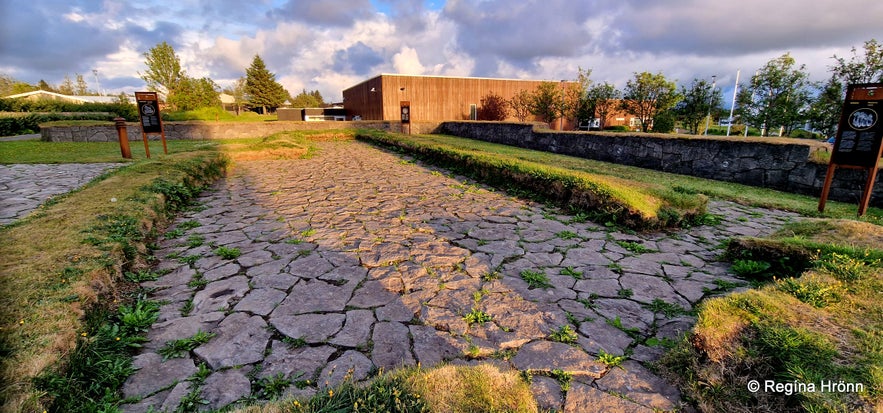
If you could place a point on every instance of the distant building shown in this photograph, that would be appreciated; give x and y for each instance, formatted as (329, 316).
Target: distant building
(312, 114)
(46, 95)
(432, 98)
(441, 98)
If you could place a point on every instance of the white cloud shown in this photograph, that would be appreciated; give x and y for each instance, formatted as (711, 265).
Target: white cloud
(408, 62)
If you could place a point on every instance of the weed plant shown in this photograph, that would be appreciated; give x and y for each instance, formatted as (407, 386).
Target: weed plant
(535, 279)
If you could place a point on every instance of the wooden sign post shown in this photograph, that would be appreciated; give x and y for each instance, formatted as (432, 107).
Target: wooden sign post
(859, 137)
(151, 122)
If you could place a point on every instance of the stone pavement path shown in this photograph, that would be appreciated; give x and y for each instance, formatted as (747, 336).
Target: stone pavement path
(358, 260)
(23, 188)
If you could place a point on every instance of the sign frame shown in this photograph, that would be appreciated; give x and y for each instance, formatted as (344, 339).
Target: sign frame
(405, 112)
(150, 119)
(859, 140)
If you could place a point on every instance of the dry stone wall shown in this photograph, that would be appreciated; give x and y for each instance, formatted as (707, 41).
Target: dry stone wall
(776, 165)
(216, 130)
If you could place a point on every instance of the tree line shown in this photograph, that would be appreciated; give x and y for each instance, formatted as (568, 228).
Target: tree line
(777, 99)
(258, 90)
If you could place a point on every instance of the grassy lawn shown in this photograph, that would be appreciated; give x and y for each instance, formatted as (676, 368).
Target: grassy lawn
(33, 151)
(662, 181)
(595, 195)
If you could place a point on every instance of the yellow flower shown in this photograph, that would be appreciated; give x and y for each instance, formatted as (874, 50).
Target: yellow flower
(83, 334)
(330, 393)
(118, 339)
(21, 322)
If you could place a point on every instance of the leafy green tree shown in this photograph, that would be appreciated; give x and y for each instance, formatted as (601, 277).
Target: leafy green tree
(545, 102)
(163, 70)
(42, 85)
(698, 101)
(602, 99)
(195, 93)
(648, 94)
(865, 68)
(238, 93)
(573, 104)
(306, 99)
(67, 86)
(824, 111)
(493, 107)
(520, 105)
(261, 87)
(778, 96)
(81, 88)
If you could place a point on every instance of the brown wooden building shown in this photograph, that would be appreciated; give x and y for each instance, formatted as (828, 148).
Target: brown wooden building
(432, 98)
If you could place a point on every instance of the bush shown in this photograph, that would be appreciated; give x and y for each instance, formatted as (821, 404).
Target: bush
(54, 110)
(493, 107)
(664, 122)
(617, 128)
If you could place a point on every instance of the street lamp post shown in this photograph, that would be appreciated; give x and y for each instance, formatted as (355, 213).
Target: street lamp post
(710, 102)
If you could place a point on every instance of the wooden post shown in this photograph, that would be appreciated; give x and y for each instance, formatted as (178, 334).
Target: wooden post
(146, 146)
(827, 187)
(866, 193)
(123, 135)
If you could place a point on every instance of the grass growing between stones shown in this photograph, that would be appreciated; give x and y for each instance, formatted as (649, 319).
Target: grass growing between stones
(817, 320)
(656, 183)
(63, 267)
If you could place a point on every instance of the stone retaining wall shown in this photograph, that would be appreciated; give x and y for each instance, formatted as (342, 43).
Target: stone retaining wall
(216, 130)
(781, 164)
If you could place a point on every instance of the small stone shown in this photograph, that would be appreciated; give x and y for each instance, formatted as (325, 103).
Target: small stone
(313, 328)
(356, 330)
(260, 301)
(582, 398)
(295, 364)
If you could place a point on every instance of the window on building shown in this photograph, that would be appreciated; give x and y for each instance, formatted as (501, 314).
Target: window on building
(473, 112)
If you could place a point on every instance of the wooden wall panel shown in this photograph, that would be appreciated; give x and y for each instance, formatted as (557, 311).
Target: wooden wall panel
(433, 98)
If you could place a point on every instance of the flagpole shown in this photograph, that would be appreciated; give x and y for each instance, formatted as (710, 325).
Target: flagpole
(733, 106)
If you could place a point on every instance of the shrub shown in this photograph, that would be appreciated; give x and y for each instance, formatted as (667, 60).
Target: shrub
(493, 107)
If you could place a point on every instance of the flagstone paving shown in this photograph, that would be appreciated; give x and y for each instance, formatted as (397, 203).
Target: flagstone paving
(358, 260)
(24, 187)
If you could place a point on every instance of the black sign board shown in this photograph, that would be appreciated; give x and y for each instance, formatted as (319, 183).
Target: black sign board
(148, 111)
(860, 134)
(859, 141)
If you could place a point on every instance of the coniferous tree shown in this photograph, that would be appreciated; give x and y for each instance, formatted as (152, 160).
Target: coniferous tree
(261, 87)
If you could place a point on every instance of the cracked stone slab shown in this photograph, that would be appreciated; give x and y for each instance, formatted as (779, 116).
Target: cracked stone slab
(583, 398)
(241, 339)
(225, 387)
(153, 373)
(547, 356)
(302, 363)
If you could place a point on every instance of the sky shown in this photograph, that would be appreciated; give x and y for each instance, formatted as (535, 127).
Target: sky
(330, 45)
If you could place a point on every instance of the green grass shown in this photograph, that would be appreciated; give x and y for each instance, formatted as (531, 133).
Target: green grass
(662, 183)
(821, 323)
(535, 279)
(605, 198)
(28, 152)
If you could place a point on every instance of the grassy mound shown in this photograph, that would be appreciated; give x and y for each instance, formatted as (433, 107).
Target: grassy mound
(637, 205)
(66, 262)
(815, 321)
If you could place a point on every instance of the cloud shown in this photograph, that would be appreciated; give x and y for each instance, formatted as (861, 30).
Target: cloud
(407, 62)
(337, 13)
(517, 33)
(727, 27)
(358, 58)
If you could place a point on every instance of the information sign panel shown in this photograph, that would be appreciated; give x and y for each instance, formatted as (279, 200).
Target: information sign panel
(148, 111)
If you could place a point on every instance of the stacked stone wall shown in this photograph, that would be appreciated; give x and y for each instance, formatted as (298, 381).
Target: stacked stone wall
(781, 164)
